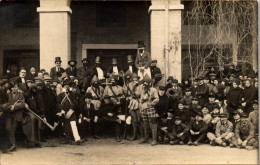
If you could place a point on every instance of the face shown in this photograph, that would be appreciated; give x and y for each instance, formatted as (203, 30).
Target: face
(212, 69)
(87, 100)
(223, 83)
(234, 85)
(8, 71)
(236, 116)
(180, 106)
(188, 93)
(186, 82)
(40, 75)
(169, 114)
(223, 119)
(211, 99)
(141, 50)
(153, 64)
(255, 107)
(215, 110)
(241, 77)
(195, 83)
(256, 84)
(135, 81)
(177, 122)
(161, 92)
(113, 81)
(243, 119)
(58, 64)
(215, 82)
(195, 102)
(205, 110)
(14, 89)
(247, 83)
(22, 73)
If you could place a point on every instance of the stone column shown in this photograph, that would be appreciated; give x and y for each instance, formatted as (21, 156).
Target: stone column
(54, 32)
(166, 36)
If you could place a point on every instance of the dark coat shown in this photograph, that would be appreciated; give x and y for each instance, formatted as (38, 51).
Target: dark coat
(31, 76)
(155, 70)
(55, 74)
(184, 115)
(202, 94)
(143, 61)
(233, 97)
(162, 106)
(71, 71)
(201, 126)
(89, 112)
(134, 69)
(35, 103)
(109, 108)
(248, 94)
(22, 86)
(181, 128)
(18, 108)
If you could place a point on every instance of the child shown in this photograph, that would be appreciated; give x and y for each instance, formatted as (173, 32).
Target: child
(180, 132)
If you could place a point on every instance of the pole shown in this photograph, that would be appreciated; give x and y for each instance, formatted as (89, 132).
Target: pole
(166, 23)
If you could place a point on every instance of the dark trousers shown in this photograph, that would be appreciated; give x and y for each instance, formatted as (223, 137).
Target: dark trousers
(3, 135)
(111, 121)
(198, 137)
(91, 128)
(10, 126)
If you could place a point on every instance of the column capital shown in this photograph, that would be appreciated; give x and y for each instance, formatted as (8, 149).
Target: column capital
(162, 7)
(54, 6)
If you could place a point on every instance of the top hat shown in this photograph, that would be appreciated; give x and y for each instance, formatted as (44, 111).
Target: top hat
(129, 58)
(98, 59)
(84, 60)
(114, 61)
(57, 59)
(72, 63)
(141, 44)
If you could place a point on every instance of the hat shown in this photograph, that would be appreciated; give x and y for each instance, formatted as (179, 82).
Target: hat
(243, 115)
(67, 82)
(94, 79)
(97, 59)
(200, 78)
(154, 61)
(46, 78)
(135, 76)
(141, 44)
(56, 79)
(84, 60)
(225, 80)
(212, 74)
(170, 78)
(38, 81)
(147, 79)
(57, 59)
(114, 61)
(254, 102)
(106, 97)
(72, 63)
(129, 58)
(232, 75)
(177, 118)
(223, 115)
(236, 81)
(170, 110)
(88, 95)
(206, 78)
(161, 87)
(175, 81)
(128, 73)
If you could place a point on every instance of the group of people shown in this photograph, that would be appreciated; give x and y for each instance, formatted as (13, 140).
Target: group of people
(75, 103)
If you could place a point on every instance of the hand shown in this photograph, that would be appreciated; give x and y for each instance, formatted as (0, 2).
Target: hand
(118, 103)
(244, 143)
(110, 114)
(58, 114)
(26, 106)
(96, 119)
(239, 141)
(12, 108)
(156, 115)
(88, 120)
(180, 135)
(243, 104)
(79, 121)
(191, 132)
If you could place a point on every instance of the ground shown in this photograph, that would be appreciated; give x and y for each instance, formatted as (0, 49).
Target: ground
(108, 151)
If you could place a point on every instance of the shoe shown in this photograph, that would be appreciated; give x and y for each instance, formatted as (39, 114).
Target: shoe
(78, 142)
(118, 139)
(224, 144)
(212, 143)
(38, 145)
(196, 143)
(190, 143)
(181, 142)
(96, 137)
(142, 140)
(154, 142)
(174, 142)
(133, 138)
(12, 148)
(85, 139)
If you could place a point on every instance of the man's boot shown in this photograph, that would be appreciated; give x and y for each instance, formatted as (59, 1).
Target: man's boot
(154, 133)
(134, 132)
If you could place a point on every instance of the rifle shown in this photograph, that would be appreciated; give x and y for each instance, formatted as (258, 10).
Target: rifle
(44, 121)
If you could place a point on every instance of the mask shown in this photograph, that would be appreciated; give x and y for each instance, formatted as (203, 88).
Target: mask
(141, 51)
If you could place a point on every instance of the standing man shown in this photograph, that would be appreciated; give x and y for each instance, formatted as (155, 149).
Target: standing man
(84, 75)
(130, 65)
(57, 70)
(143, 61)
(149, 98)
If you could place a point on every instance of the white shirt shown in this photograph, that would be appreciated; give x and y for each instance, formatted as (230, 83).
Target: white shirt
(23, 80)
(100, 73)
(131, 68)
(115, 70)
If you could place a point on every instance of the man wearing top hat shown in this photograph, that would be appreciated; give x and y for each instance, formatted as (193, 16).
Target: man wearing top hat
(84, 74)
(143, 61)
(72, 70)
(57, 70)
(98, 69)
(116, 70)
(130, 65)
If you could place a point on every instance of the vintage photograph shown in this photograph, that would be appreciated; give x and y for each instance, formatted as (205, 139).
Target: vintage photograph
(128, 82)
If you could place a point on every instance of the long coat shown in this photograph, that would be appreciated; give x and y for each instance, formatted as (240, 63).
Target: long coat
(71, 71)
(55, 74)
(143, 61)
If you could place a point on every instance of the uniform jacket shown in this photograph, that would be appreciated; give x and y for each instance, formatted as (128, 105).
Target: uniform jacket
(244, 130)
(66, 105)
(89, 112)
(143, 61)
(118, 90)
(55, 74)
(202, 93)
(109, 108)
(223, 129)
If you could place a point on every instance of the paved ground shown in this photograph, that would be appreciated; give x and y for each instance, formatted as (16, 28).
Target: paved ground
(108, 151)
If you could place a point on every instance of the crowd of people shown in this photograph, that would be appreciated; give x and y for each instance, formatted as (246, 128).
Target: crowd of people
(73, 104)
